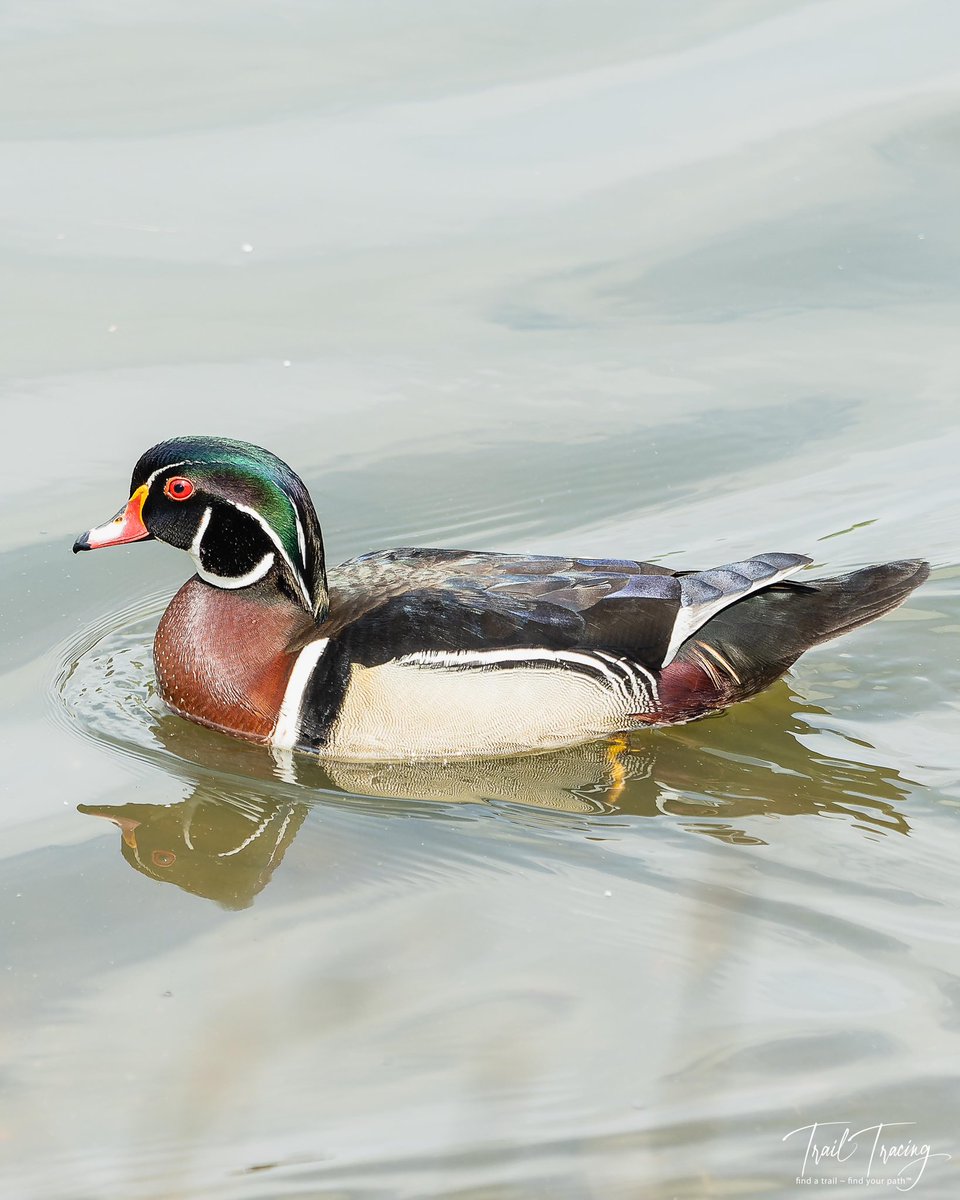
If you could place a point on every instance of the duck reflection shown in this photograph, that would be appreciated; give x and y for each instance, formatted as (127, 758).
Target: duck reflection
(217, 844)
(226, 840)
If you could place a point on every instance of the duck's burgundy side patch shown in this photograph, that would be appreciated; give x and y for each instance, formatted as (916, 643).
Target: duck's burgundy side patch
(686, 691)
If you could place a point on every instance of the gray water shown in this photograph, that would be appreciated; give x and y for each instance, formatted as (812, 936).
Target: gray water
(668, 281)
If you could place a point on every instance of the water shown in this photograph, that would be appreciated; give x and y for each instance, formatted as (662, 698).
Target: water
(667, 281)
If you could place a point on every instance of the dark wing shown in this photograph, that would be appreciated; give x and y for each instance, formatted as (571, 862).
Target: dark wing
(398, 602)
(358, 581)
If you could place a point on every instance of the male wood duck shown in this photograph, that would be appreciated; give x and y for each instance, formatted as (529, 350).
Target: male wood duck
(417, 653)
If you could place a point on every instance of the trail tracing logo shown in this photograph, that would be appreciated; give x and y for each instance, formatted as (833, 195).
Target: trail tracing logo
(877, 1154)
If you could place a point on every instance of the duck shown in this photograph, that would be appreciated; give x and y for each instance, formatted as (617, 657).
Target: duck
(416, 653)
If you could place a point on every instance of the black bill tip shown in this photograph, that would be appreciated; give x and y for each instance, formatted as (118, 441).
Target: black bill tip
(82, 543)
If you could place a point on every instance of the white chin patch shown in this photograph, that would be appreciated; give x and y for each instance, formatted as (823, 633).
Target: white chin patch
(254, 575)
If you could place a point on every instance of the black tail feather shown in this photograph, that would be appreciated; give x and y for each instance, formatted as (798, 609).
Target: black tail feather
(764, 634)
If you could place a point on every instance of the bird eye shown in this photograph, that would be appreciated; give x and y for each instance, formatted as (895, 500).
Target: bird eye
(178, 488)
(163, 858)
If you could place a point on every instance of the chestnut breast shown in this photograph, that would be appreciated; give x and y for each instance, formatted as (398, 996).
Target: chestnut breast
(221, 656)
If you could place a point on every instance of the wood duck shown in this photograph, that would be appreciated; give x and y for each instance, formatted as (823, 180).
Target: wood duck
(416, 653)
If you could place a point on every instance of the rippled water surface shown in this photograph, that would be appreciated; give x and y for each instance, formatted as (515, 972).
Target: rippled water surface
(668, 281)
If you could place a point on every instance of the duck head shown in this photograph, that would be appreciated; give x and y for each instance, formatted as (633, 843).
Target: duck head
(240, 512)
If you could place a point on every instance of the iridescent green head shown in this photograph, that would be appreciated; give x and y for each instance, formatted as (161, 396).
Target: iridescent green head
(238, 510)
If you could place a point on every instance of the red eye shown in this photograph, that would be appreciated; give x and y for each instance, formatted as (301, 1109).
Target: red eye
(178, 488)
(163, 858)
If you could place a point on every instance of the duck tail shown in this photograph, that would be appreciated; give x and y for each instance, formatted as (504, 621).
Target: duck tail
(747, 646)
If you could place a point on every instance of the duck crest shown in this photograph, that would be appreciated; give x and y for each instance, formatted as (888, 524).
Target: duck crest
(223, 658)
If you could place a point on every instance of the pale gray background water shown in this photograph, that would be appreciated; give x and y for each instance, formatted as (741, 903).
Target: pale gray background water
(612, 278)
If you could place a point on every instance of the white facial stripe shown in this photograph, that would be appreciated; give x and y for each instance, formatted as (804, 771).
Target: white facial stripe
(198, 536)
(271, 533)
(301, 540)
(186, 462)
(287, 729)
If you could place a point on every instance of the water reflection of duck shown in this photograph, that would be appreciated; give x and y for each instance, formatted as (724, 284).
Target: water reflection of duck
(449, 653)
(223, 845)
(227, 839)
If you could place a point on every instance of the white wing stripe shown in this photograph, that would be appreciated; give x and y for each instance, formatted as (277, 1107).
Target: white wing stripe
(692, 617)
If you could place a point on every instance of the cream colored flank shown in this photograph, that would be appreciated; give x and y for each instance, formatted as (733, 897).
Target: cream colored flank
(405, 710)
